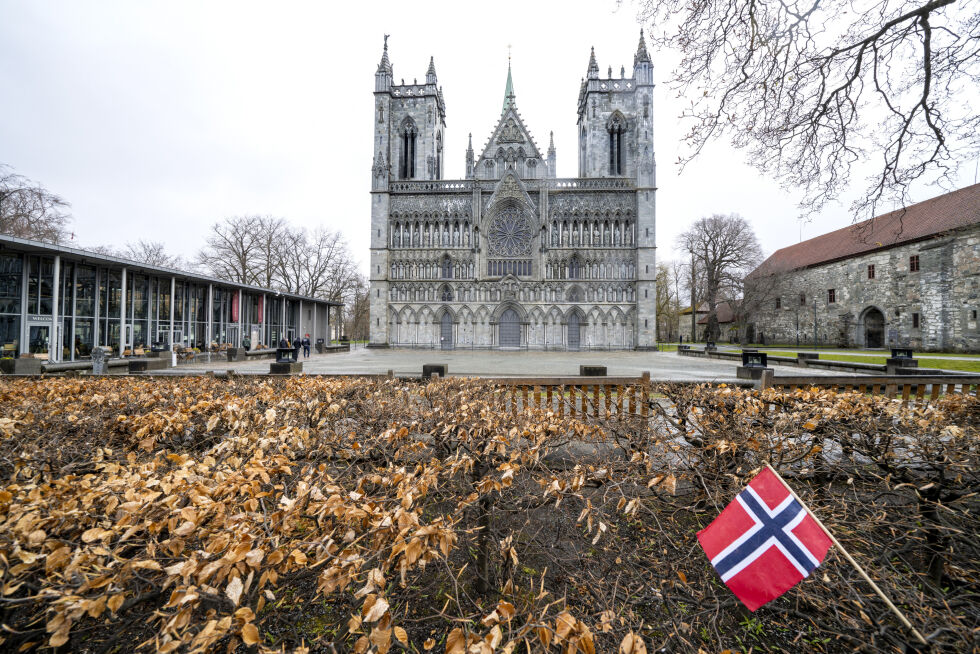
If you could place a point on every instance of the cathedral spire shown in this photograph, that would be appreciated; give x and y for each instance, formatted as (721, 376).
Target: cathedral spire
(430, 75)
(551, 144)
(641, 51)
(593, 66)
(508, 90)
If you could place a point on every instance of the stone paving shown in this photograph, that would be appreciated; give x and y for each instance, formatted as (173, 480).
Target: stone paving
(498, 363)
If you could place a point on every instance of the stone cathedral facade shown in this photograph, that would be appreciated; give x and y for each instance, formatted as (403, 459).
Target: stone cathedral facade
(513, 256)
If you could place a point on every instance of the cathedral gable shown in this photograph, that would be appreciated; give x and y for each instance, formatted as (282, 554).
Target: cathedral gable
(510, 135)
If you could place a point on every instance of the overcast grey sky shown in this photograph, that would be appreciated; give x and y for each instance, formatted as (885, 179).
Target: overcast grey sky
(156, 118)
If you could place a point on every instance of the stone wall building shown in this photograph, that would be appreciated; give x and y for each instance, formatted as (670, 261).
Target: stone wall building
(512, 255)
(909, 278)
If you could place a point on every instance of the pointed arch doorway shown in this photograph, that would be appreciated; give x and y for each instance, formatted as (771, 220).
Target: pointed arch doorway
(446, 331)
(509, 327)
(574, 332)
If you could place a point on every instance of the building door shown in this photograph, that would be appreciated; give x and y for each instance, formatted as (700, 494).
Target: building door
(510, 329)
(874, 328)
(39, 338)
(574, 332)
(446, 331)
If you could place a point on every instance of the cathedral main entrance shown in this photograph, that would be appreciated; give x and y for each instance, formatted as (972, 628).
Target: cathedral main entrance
(509, 327)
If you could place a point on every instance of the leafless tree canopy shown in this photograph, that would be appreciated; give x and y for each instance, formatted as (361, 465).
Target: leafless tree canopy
(267, 251)
(813, 89)
(152, 253)
(725, 249)
(28, 210)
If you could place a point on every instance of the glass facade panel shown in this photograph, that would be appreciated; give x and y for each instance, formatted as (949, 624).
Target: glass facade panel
(11, 277)
(84, 337)
(85, 292)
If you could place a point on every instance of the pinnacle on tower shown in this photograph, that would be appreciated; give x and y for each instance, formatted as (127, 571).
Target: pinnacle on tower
(593, 66)
(430, 75)
(642, 56)
(469, 148)
(551, 144)
(385, 65)
(508, 90)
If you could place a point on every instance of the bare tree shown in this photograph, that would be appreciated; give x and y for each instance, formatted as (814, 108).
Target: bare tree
(152, 253)
(668, 300)
(244, 249)
(811, 88)
(28, 210)
(268, 252)
(357, 309)
(726, 250)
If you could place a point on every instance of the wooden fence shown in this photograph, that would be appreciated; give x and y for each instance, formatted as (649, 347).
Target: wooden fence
(618, 397)
(608, 398)
(911, 388)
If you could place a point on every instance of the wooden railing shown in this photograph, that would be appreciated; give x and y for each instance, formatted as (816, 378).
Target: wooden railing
(607, 398)
(911, 388)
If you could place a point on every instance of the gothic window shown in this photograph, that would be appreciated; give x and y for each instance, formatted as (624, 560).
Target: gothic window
(489, 165)
(510, 233)
(615, 127)
(574, 268)
(574, 295)
(447, 268)
(407, 162)
(446, 293)
(439, 155)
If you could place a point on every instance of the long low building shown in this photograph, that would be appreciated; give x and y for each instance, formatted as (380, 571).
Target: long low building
(58, 303)
(908, 278)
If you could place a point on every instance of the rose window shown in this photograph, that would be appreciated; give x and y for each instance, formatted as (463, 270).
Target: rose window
(510, 234)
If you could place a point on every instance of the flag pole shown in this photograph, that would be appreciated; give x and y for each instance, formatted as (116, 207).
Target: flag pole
(864, 575)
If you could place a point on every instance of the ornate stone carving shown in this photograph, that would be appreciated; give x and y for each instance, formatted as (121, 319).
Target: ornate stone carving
(510, 133)
(592, 203)
(439, 204)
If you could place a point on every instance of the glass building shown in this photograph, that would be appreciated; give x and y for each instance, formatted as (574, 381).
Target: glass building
(57, 303)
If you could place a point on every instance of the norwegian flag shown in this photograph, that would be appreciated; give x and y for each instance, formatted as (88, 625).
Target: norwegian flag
(764, 542)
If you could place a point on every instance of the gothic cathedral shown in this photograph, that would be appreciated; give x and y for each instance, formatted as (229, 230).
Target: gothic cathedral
(513, 256)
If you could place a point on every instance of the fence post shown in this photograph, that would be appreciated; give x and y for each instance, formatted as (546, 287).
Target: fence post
(765, 381)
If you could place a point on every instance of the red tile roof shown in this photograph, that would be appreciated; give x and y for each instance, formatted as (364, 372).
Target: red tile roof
(929, 218)
(724, 311)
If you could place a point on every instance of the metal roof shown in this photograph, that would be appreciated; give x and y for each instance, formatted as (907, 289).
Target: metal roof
(34, 247)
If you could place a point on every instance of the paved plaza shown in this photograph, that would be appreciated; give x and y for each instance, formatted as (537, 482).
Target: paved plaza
(502, 363)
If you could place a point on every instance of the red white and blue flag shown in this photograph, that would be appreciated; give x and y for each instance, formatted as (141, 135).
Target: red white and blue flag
(764, 542)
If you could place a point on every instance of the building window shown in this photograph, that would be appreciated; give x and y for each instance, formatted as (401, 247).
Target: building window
(779, 303)
(802, 299)
(973, 314)
(915, 321)
(871, 271)
(831, 296)
(407, 162)
(446, 295)
(616, 127)
(447, 268)
(914, 263)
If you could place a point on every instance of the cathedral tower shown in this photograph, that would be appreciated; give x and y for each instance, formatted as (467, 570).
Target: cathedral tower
(615, 125)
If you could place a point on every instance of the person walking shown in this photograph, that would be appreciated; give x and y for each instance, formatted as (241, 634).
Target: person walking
(296, 345)
(306, 346)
